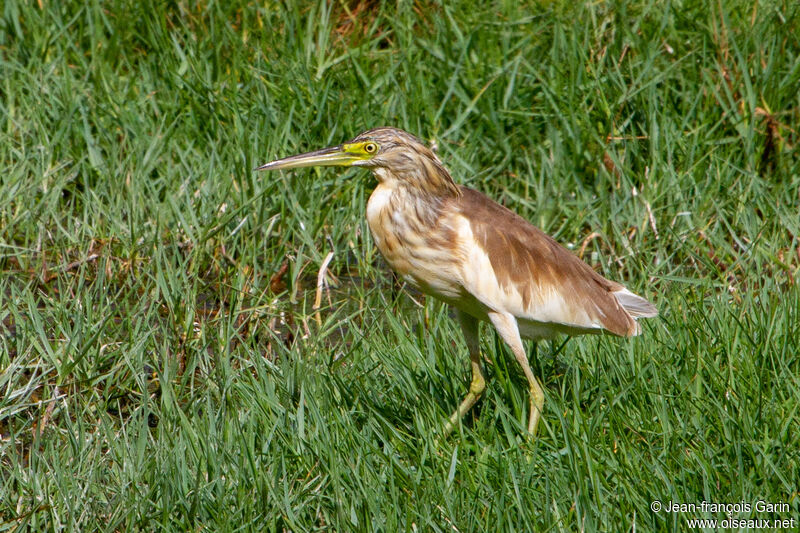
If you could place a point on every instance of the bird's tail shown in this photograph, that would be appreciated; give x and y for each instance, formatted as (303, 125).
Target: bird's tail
(635, 305)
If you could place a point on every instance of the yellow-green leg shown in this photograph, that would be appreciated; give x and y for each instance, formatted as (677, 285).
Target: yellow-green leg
(506, 326)
(469, 326)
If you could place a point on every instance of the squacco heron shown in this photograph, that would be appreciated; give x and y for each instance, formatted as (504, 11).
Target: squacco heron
(458, 245)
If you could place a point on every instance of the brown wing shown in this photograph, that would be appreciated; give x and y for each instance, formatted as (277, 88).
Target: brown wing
(525, 258)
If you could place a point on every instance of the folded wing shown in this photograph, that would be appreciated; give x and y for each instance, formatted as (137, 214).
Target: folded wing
(516, 266)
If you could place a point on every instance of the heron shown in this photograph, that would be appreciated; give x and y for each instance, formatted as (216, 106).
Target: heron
(491, 265)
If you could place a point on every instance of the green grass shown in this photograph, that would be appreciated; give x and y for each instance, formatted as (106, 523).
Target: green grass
(161, 370)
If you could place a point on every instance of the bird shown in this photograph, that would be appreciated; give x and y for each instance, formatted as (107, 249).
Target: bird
(491, 265)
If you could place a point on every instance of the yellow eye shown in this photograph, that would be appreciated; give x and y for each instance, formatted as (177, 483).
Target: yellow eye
(370, 148)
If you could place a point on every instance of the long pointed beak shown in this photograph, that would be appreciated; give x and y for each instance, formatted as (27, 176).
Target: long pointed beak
(327, 157)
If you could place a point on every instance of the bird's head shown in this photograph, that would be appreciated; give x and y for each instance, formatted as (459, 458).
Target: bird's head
(396, 157)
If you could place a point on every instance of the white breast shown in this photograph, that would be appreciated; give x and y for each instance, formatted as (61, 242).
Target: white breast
(378, 201)
(398, 237)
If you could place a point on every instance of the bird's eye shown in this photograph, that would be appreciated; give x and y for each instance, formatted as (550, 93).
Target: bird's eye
(370, 148)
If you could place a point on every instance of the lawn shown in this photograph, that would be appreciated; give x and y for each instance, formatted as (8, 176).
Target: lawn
(168, 360)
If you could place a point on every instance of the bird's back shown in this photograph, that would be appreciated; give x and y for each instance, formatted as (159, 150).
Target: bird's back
(512, 266)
